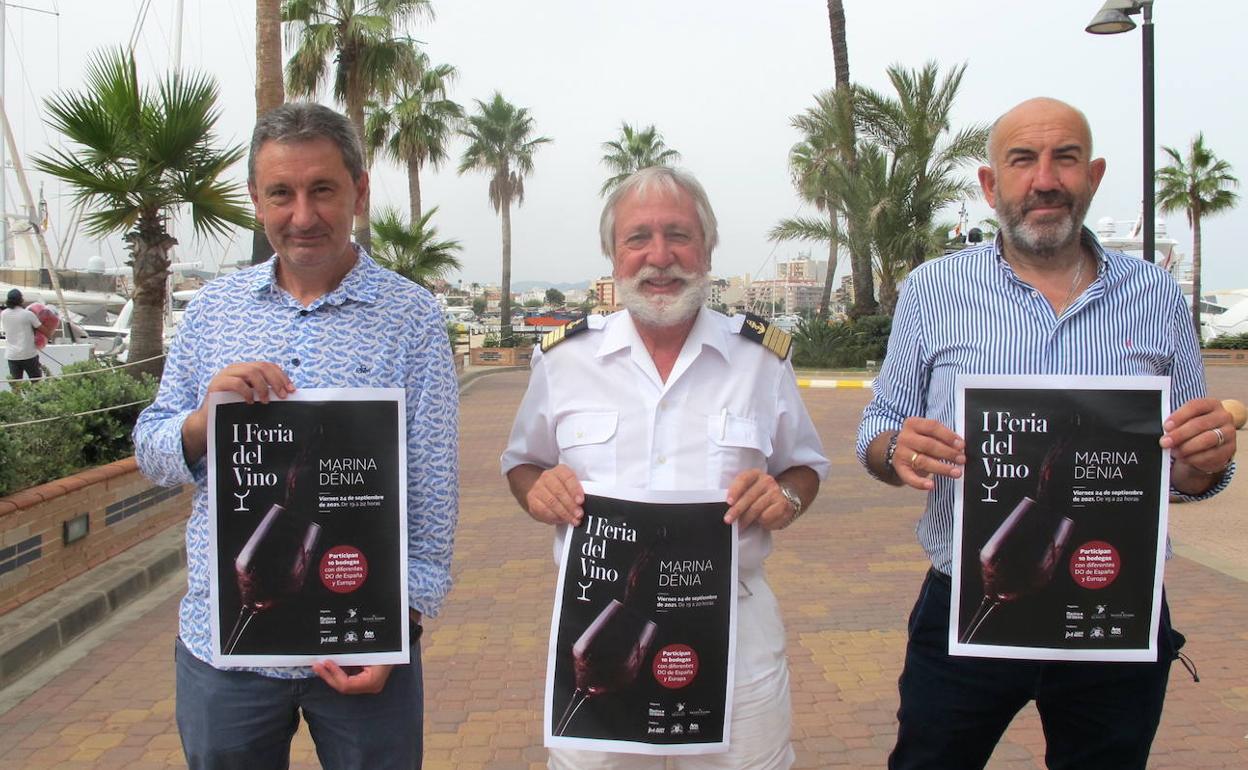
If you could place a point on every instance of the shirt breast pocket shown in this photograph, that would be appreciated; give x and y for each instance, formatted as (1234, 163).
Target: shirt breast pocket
(587, 444)
(736, 444)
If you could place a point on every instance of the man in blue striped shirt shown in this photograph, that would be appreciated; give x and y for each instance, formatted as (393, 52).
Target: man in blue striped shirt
(1043, 299)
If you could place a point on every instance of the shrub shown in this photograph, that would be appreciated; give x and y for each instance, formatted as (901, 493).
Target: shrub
(840, 344)
(1229, 342)
(43, 451)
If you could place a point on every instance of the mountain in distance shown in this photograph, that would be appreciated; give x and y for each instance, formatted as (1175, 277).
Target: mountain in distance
(519, 287)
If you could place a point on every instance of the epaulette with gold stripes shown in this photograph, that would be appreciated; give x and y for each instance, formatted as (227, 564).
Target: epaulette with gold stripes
(767, 334)
(552, 338)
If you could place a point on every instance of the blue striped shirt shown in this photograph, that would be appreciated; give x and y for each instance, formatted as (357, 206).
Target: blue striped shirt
(969, 313)
(376, 329)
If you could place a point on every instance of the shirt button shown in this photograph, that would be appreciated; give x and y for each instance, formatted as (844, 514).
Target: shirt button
(304, 312)
(662, 459)
(580, 434)
(294, 362)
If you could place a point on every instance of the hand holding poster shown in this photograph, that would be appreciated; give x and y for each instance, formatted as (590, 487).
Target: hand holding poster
(308, 510)
(1060, 517)
(643, 637)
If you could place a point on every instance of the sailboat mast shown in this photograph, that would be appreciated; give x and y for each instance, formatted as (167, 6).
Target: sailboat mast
(4, 218)
(24, 186)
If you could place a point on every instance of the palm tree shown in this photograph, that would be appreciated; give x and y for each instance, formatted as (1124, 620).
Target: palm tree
(417, 127)
(914, 127)
(370, 58)
(633, 151)
(500, 143)
(269, 91)
(142, 151)
(1197, 185)
(824, 166)
(414, 251)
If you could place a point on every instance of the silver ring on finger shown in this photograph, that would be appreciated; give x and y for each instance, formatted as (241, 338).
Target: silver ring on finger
(1221, 436)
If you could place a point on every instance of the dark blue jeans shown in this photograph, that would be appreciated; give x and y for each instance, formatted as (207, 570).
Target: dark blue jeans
(955, 709)
(238, 720)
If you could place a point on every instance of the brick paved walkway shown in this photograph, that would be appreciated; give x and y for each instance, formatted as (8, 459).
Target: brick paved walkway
(846, 576)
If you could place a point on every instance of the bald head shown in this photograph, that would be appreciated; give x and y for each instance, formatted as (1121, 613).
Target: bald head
(1040, 111)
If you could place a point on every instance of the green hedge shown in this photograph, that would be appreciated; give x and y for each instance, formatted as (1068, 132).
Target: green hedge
(840, 344)
(1229, 342)
(34, 454)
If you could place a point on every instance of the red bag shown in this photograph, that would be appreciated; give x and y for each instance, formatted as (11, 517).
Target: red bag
(49, 320)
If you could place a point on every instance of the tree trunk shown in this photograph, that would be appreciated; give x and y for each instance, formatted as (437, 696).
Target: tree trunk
(888, 296)
(355, 112)
(269, 90)
(504, 302)
(413, 188)
(833, 247)
(859, 254)
(840, 51)
(1196, 275)
(149, 254)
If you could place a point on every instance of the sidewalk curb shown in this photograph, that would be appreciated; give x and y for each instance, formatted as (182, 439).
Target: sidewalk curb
(42, 627)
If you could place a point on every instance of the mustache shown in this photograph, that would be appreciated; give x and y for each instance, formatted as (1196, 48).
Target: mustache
(1048, 199)
(671, 271)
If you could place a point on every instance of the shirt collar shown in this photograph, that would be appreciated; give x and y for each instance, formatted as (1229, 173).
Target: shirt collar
(358, 285)
(705, 332)
(1086, 238)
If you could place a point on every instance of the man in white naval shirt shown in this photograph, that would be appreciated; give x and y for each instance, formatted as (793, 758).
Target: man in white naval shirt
(667, 395)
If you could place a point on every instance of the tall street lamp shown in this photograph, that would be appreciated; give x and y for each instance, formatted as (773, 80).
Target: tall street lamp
(1114, 17)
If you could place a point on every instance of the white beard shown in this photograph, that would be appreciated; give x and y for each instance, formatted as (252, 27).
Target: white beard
(661, 311)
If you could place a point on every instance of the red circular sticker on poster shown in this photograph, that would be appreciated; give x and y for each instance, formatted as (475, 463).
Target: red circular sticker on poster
(675, 666)
(343, 569)
(1095, 564)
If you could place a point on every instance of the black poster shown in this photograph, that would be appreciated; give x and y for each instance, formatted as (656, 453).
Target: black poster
(1061, 518)
(308, 503)
(643, 639)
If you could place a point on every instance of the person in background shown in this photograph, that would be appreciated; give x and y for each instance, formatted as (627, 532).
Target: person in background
(19, 326)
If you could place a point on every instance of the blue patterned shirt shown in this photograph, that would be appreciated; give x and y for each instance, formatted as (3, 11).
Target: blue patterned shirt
(376, 329)
(969, 313)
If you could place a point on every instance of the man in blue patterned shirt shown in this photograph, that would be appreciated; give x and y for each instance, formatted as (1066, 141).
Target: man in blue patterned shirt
(321, 313)
(1043, 299)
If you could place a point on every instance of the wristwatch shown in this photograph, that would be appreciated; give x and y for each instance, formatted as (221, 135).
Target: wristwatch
(794, 500)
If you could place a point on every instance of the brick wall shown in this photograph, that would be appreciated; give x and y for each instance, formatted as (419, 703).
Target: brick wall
(123, 509)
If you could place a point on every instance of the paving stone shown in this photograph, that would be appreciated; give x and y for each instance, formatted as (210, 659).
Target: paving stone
(846, 576)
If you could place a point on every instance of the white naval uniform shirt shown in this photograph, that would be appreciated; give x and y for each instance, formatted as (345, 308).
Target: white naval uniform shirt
(596, 404)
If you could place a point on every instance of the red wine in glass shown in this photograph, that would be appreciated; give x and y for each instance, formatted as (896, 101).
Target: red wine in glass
(1020, 558)
(608, 656)
(272, 566)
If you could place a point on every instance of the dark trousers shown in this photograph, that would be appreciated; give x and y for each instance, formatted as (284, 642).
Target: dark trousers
(28, 366)
(955, 709)
(239, 720)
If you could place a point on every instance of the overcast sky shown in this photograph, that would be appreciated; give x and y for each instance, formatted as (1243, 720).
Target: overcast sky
(720, 79)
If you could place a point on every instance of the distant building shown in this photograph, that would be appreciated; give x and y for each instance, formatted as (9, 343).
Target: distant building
(802, 270)
(604, 290)
(783, 297)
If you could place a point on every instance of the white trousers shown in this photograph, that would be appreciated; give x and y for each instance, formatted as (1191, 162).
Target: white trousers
(762, 714)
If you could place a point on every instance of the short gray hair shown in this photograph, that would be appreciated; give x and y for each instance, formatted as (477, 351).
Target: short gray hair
(664, 179)
(304, 122)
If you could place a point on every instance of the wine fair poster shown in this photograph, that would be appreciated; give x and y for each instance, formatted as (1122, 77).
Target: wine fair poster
(308, 510)
(643, 638)
(1060, 517)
